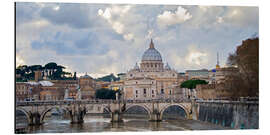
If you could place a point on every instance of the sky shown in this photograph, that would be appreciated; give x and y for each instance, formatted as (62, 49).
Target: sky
(100, 39)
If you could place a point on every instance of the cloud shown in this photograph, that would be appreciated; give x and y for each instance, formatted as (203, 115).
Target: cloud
(241, 16)
(19, 61)
(114, 16)
(220, 20)
(196, 57)
(101, 39)
(74, 15)
(168, 18)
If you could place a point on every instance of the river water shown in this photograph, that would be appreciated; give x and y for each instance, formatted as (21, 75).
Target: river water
(101, 123)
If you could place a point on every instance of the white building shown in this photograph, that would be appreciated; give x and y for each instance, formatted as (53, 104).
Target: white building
(150, 80)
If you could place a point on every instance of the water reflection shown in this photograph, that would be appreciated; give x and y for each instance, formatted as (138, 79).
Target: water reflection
(98, 123)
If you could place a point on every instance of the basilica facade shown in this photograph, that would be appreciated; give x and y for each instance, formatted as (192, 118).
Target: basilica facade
(151, 79)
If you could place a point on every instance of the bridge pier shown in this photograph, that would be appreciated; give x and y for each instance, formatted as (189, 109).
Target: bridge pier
(77, 113)
(194, 110)
(116, 116)
(155, 116)
(34, 119)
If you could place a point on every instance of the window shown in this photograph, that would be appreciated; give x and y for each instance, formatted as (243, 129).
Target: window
(144, 91)
(136, 91)
(170, 92)
(162, 91)
(152, 91)
(130, 75)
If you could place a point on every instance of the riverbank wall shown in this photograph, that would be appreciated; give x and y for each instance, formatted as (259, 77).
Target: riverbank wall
(234, 114)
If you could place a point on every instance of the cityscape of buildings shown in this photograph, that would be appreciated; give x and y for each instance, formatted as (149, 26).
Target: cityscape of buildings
(151, 79)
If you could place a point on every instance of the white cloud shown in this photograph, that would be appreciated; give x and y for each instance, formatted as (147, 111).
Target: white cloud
(220, 20)
(114, 16)
(196, 57)
(150, 34)
(204, 8)
(19, 60)
(56, 8)
(171, 18)
(128, 36)
(118, 27)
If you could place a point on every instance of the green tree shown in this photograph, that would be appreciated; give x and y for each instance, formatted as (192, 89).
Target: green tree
(105, 94)
(74, 76)
(191, 84)
(51, 65)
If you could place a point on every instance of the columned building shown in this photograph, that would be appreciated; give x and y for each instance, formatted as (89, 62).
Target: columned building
(151, 80)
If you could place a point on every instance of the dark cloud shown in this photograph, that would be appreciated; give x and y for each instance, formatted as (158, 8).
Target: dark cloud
(74, 15)
(26, 12)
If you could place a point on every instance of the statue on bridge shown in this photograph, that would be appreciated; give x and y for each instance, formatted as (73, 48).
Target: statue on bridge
(79, 94)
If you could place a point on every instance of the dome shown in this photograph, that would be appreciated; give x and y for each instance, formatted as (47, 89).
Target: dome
(151, 54)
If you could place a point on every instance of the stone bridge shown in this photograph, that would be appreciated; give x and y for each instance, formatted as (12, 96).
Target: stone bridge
(35, 111)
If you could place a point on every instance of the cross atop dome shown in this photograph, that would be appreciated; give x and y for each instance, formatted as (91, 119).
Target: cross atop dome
(151, 44)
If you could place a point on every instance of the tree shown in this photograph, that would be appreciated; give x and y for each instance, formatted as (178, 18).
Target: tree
(191, 84)
(105, 94)
(246, 58)
(74, 76)
(51, 65)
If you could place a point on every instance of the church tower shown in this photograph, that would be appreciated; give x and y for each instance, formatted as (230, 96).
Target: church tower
(217, 66)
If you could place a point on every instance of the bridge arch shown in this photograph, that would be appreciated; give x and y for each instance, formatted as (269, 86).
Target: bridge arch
(43, 114)
(28, 114)
(170, 105)
(134, 105)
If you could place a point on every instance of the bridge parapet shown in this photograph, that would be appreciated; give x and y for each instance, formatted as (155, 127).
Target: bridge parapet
(227, 101)
(65, 102)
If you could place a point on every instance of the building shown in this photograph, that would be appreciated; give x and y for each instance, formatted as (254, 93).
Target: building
(52, 93)
(221, 73)
(212, 91)
(118, 85)
(122, 76)
(151, 80)
(202, 74)
(38, 75)
(88, 87)
(27, 91)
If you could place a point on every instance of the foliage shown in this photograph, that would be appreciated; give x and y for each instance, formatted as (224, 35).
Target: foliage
(191, 84)
(104, 93)
(74, 76)
(246, 58)
(56, 72)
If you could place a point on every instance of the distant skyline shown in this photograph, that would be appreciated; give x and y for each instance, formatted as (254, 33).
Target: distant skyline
(102, 38)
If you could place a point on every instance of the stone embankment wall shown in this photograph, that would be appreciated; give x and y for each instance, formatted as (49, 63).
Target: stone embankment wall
(238, 115)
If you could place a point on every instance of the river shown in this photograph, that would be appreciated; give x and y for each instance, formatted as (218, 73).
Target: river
(101, 123)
